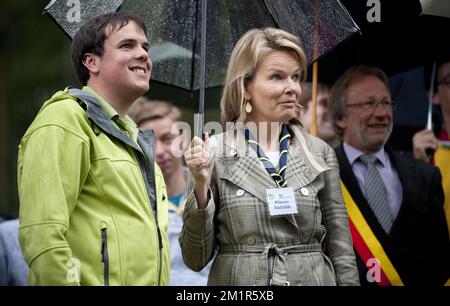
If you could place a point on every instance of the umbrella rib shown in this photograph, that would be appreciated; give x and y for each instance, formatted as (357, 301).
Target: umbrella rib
(270, 14)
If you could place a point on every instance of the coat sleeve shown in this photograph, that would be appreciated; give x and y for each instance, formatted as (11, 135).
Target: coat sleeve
(52, 168)
(338, 242)
(197, 238)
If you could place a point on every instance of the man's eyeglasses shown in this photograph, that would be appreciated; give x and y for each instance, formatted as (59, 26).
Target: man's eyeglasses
(372, 105)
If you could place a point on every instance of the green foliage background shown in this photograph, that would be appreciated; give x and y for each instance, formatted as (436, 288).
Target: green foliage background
(34, 62)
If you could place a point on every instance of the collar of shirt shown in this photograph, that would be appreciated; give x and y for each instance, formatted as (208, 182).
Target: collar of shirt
(125, 124)
(388, 173)
(353, 154)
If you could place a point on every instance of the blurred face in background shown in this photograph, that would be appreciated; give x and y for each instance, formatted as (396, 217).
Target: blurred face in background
(164, 140)
(444, 89)
(325, 128)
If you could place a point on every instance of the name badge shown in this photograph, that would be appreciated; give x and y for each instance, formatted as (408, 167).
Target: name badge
(281, 201)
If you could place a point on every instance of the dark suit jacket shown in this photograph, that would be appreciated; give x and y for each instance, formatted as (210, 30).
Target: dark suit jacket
(418, 244)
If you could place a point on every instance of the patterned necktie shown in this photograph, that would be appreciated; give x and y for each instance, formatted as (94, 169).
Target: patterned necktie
(277, 175)
(376, 193)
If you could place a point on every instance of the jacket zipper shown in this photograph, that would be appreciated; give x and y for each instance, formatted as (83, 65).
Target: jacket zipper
(160, 254)
(155, 216)
(105, 258)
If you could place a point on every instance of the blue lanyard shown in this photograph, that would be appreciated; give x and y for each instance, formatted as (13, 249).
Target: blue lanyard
(277, 175)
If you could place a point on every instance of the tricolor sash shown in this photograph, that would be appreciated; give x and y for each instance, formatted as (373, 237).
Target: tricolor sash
(367, 245)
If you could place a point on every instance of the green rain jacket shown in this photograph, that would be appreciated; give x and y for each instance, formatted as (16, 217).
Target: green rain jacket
(88, 198)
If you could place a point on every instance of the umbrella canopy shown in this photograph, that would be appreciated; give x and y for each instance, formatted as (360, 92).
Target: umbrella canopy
(177, 22)
(164, 50)
(436, 8)
(209, 29)
(70, 15)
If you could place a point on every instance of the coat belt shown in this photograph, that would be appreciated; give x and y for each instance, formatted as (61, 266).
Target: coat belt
(278, 275)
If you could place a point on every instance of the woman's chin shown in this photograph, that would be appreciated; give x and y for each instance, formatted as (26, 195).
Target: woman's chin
(287, 116)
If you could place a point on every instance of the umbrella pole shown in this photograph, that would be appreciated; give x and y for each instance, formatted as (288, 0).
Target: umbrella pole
(430, 151)
(201, 106)
(430, 99)
(313, 130)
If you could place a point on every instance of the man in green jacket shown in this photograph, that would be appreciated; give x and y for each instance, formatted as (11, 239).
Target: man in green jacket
(93, 203)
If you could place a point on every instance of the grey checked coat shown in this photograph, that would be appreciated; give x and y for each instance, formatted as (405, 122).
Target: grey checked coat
(249, 246)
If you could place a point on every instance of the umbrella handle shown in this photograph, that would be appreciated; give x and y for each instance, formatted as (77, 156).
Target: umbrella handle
(430, 98)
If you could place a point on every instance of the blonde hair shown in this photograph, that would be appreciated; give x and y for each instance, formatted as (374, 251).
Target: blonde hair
(144, 109)
(246, 55)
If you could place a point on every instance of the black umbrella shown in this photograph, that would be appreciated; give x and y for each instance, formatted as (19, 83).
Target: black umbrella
(410, 34)
(404, 38)
(183, 24)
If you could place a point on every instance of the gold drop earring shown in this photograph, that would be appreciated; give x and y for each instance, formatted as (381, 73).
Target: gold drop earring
(248, 107)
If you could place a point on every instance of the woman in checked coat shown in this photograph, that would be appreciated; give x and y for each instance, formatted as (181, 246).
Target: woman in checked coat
(266, 205)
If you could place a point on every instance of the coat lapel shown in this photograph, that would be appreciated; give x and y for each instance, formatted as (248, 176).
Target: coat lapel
(406, 175)
(303, 167)
(243, 168)
(246, 171)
